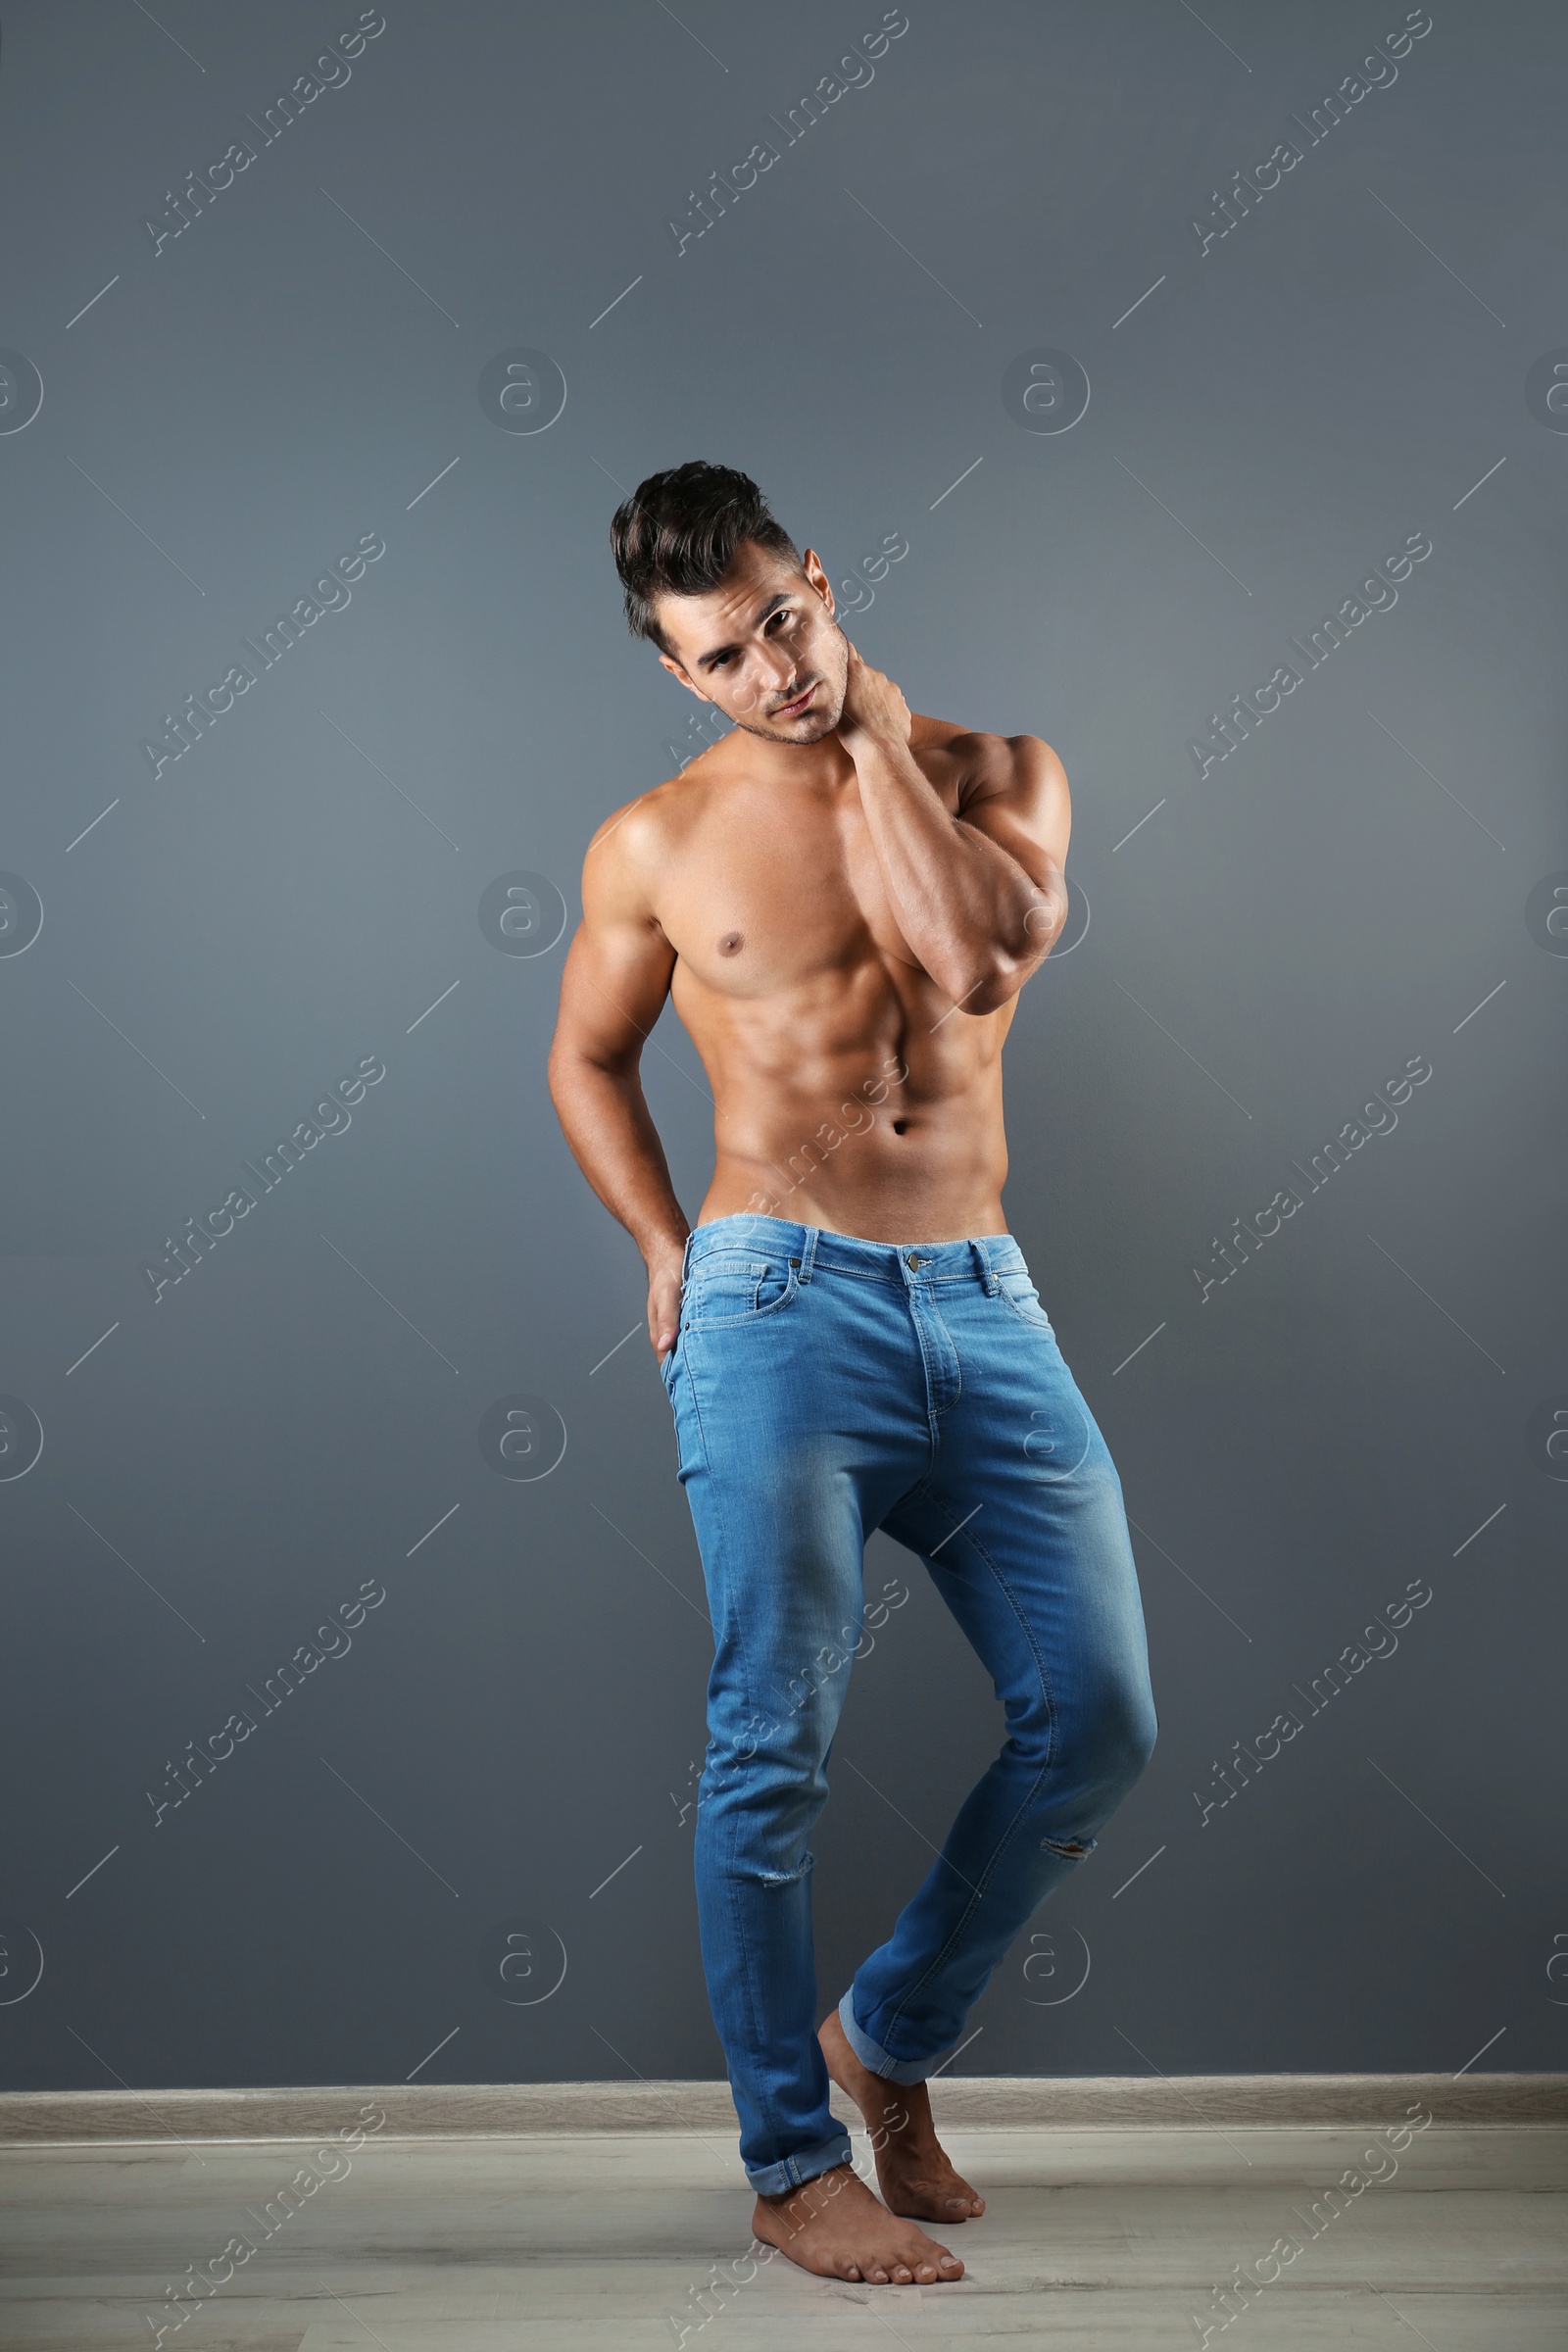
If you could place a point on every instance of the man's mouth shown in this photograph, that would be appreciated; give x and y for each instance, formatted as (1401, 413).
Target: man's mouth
(795, 709)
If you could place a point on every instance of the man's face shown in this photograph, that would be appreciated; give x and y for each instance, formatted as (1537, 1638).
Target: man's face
(762, 646)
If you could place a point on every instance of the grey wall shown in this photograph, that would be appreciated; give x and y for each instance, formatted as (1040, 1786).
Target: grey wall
(1365, 1403)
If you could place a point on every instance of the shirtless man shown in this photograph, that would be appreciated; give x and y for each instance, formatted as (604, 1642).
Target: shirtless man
(843, 901)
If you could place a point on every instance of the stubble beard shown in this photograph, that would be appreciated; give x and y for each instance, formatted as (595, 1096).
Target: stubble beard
(824, 724)
(789, 742)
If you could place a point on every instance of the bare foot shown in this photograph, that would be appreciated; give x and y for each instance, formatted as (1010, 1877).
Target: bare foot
(837, 2228)
(912, 2168)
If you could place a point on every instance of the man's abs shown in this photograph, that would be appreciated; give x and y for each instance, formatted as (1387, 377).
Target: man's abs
(859, 1107)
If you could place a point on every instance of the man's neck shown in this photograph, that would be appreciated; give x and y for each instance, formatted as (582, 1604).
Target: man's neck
(822, 767)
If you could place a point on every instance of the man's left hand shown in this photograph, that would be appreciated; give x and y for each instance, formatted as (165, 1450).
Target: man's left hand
(874, 711)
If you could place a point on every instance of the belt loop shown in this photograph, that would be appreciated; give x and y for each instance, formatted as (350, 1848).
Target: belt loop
(982, 1259)
(809, 1250)
(686, 1258)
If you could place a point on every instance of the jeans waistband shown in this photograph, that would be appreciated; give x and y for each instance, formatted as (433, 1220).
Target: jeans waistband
(814, 1247)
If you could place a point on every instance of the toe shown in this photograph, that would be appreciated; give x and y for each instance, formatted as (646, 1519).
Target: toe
(902, 2275)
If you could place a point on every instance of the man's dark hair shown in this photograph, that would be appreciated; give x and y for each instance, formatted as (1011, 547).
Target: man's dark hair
(677, 533)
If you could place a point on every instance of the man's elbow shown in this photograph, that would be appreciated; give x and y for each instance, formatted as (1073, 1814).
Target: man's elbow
(994, 989)
(995, 978)
(983, 984)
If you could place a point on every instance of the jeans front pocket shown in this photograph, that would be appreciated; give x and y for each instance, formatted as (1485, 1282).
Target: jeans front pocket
(733, 1286)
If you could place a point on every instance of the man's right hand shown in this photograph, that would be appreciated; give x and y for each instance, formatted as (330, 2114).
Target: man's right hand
(663, 1303)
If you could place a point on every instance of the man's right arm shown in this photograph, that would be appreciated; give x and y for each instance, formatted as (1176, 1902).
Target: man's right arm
(613, 990)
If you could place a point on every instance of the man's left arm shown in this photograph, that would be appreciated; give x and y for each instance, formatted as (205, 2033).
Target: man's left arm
(981, 897)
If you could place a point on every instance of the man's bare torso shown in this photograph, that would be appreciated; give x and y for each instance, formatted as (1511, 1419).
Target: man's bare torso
(847, 1093)
(843, 900)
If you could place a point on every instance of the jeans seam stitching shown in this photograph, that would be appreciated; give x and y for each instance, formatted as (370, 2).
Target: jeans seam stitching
(1027, 1321)
(732, 1826)
(826, 1265)
(738, 1930)
(934, 1411)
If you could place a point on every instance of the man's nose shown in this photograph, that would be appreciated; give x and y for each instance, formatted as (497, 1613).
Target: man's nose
(777, 661)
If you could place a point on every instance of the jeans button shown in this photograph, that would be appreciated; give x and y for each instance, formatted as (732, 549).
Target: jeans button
(912, 1259)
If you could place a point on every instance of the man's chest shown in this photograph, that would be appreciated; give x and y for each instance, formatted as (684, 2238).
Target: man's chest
(770, 892)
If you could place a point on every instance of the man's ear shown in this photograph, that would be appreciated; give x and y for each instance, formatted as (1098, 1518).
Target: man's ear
(675, 670)
(819, 578)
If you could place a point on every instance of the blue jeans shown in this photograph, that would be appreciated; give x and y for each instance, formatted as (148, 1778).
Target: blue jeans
(823, 1386)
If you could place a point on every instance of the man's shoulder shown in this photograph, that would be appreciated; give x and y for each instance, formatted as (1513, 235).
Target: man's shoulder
(987, 763)
(643, 833)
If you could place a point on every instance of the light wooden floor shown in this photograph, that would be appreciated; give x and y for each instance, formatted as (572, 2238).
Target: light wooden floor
(1096, 2238)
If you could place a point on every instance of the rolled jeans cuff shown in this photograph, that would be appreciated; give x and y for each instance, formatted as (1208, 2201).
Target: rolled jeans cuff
(772, 2179)
(874, 2056)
